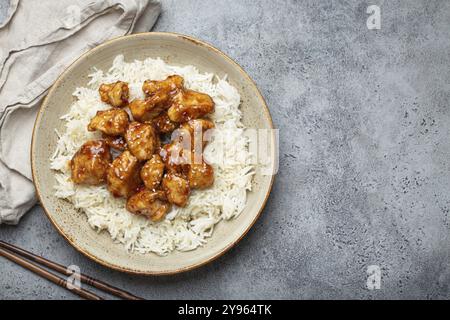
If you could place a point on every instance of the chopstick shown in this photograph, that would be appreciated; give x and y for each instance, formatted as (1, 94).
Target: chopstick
(13, 253)
(47, 275)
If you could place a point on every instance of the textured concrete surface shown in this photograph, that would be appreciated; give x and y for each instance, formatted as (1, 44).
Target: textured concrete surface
(3, 9)
(364, 156)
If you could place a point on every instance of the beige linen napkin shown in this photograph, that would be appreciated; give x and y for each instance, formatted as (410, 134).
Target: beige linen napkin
(38, 40)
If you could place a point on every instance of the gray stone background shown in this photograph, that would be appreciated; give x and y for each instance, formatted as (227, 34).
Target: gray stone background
(364, 156)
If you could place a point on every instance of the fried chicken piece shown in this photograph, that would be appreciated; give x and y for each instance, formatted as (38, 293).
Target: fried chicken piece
(152, 172)
(158, 98)
(176, 188)
(200, 176)
(115, 142)
(163, 124)
(112, 122)
(175, 158)
(123, 176)
(188, 105)
(161, 92)
(145, 110)
(142, 140)
(90, 163)
(196, 129)
(115, 94)
(151, 204)
(187, 163)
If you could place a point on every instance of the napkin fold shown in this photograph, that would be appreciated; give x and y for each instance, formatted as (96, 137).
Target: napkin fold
(38, 40)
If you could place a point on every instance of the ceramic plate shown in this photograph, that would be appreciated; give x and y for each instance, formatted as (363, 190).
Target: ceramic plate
(73, 226)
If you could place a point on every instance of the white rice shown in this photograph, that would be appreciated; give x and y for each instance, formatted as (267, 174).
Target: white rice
(183, 228)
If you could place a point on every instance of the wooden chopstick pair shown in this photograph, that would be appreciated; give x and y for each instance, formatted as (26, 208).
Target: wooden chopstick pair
(18, 255)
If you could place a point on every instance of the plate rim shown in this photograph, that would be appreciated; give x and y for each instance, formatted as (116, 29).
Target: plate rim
(109, 264)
